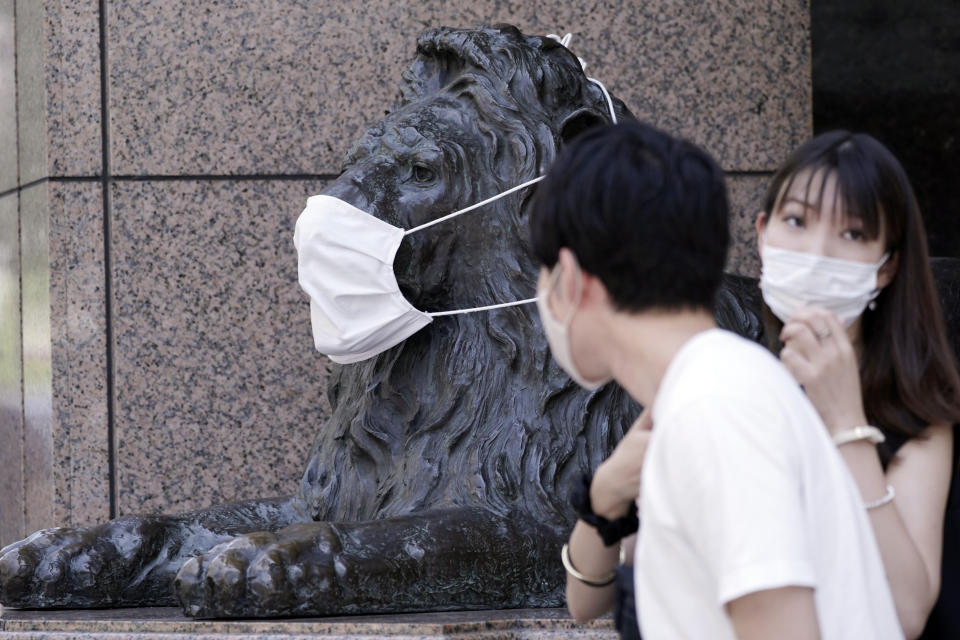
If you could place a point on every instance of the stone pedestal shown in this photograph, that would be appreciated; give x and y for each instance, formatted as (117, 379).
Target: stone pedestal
(167, 624)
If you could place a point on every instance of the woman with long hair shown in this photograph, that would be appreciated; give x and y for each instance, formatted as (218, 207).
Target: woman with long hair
(851, 308)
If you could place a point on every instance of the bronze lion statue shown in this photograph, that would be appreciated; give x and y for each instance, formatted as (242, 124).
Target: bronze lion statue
(441, 479)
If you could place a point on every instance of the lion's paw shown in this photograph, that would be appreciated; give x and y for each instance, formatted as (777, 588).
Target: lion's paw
(70, 567)
(291, 572)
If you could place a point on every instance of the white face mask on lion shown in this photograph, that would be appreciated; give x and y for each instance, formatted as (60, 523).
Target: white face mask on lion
(345, 264)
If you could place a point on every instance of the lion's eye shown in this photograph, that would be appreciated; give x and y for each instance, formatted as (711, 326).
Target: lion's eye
(423, 174)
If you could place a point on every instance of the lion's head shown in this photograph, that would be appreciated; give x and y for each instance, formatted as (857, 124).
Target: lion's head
(482, 110)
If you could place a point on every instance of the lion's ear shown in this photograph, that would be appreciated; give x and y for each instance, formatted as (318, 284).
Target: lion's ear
(577, 122)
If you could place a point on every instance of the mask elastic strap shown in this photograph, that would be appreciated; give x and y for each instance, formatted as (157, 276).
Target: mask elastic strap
(486, 308)
(474, 206)
(876, 292)
(565, 42)
(606, 94)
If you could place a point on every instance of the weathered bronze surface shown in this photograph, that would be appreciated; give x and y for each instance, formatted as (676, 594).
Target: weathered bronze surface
(440, 481)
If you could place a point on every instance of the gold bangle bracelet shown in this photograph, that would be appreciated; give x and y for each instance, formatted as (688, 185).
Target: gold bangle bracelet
(587, 580)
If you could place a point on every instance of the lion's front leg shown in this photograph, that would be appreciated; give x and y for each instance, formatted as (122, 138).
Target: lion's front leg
(456, 559)
(121, 562)
(130, 561)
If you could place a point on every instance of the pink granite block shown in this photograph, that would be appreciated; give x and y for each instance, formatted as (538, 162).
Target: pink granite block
(58, 84)
(219, 391)
(11, 376)
(256, 87)
(72, 81)
(733, 77)
(746, 201)
(81, 473)
(64, 478)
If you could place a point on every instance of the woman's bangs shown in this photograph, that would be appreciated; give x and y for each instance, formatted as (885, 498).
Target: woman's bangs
(859, 189)
(856, 194)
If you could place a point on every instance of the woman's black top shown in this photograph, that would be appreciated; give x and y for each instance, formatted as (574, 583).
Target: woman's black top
(944, 621)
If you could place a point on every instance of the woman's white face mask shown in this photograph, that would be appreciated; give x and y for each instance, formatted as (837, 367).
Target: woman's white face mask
(790, 280)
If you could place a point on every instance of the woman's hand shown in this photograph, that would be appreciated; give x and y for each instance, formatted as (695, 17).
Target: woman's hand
(909, 531)
(616, 482)
(818, 352)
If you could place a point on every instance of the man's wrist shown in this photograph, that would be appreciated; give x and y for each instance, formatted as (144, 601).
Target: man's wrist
(604, 502)
(611, 530)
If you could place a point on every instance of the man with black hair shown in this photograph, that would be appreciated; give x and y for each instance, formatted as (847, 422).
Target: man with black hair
(751, 524)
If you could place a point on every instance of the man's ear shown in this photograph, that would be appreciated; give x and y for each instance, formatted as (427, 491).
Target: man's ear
(570, 279)
(888, 270)
(579, 287)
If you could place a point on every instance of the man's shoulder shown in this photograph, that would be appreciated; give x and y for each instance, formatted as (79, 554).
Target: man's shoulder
(728, 378)
(721, 362)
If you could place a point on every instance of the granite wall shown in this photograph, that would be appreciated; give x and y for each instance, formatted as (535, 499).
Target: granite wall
(155, 351)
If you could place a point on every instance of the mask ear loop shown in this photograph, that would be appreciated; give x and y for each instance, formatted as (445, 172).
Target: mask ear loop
(872, 305)
(606, 94)
(565, 42)
(474, 206)
(515, 303)
(465, 210)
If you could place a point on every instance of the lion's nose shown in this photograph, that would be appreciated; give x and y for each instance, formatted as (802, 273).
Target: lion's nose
(348, 189)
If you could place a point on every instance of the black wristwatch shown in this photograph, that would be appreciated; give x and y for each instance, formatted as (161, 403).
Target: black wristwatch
(611, 531)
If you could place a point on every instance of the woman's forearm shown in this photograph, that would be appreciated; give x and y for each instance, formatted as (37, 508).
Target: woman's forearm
(912, 582)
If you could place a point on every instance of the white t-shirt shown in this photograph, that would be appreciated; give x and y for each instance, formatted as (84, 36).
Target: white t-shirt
(743, 490)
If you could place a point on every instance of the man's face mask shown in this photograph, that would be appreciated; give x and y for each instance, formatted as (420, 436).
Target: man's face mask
(558, 331)
(345, 264)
